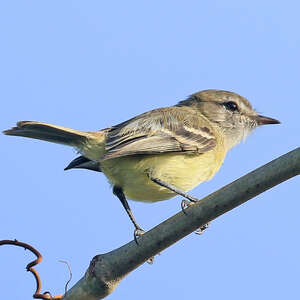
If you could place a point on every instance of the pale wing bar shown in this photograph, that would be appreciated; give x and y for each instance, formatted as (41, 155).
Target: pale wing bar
(139, 136)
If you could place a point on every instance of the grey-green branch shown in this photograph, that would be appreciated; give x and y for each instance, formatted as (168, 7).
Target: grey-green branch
(107, 270)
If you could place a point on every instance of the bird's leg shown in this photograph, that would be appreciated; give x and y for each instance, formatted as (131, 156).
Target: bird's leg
(138, 230)
(173, 188)
(120, 194)
(184, 203)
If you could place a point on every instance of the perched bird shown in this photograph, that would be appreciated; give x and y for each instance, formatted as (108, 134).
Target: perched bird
(160, 153)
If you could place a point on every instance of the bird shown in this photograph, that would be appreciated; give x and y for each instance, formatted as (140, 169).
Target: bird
(161, 153)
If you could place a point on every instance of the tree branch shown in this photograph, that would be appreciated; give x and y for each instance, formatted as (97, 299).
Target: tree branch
(107, 270)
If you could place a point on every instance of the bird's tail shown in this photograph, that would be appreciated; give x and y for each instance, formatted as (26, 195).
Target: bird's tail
(82, 140)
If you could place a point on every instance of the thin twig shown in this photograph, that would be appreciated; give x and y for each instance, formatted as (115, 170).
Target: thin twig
(70, 273)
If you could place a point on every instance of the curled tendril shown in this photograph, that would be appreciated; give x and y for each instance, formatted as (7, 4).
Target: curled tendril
(29, 268)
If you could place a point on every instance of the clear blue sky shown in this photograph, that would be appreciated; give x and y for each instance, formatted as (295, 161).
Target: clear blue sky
(91, 64)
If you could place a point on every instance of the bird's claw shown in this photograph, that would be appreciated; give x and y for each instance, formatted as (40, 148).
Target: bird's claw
(201, 229)
(185, 204)
(138, 232)
(150, 261)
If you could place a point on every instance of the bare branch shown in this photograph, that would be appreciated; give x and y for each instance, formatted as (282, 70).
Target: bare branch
(107, 270)
(29, 268)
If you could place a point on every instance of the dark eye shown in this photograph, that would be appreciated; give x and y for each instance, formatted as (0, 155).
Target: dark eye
(232, 106)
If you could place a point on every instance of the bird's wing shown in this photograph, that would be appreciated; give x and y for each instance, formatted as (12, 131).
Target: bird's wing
(162, 130)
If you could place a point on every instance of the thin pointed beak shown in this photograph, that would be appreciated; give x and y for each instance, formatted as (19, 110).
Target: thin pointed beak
(82, 162)
(262, 120)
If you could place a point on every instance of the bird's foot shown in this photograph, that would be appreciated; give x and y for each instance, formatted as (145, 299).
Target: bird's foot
(150, 261)
(185, 204)
(201, 229)
(138, 232)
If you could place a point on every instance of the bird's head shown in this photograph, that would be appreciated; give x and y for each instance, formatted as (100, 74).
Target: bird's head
(232, 113)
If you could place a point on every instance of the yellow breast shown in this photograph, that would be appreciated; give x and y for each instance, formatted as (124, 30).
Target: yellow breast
(185, 171)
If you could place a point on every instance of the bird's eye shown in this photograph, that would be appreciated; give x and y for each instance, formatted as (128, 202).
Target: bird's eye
(232, 106)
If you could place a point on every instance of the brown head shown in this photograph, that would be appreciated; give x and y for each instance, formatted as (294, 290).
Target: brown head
(232, 113)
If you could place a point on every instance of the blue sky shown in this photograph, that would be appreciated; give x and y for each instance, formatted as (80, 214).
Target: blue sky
(91, 64)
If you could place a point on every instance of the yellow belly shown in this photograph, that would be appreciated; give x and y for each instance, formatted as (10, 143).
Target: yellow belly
(185, 171)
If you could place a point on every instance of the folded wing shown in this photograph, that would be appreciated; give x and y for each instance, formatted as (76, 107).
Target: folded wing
(162, 130)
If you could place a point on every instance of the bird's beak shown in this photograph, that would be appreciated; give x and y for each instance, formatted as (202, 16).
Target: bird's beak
(82, 162)
(262, 120)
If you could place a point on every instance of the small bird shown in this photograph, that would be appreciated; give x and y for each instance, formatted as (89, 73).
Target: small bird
(161, 153)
